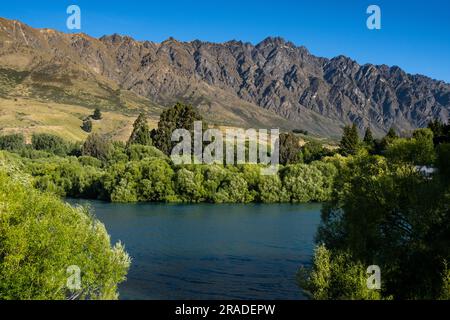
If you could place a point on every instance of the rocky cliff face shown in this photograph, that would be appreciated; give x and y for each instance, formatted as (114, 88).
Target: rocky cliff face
(271, 83)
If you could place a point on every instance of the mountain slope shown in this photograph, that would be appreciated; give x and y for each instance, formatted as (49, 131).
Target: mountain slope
(272, 84)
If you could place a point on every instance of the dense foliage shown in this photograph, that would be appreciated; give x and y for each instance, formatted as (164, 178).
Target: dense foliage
(42, 238)
(178, 117)
(385, 211)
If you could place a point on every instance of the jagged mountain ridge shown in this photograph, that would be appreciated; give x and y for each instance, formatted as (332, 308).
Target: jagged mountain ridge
(272, 83)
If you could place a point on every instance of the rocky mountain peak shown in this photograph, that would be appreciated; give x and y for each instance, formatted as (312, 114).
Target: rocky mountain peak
(312, 93)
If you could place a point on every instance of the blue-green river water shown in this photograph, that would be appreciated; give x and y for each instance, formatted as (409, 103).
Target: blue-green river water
(211, 251)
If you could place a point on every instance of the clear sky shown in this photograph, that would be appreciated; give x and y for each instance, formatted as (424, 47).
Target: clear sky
(415, 35)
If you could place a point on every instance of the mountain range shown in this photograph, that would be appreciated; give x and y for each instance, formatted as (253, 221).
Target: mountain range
(271, 84)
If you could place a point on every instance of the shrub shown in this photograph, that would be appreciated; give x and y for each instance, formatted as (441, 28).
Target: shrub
(335, 277)
(271, 190)
(97, 146)
(97, 114)
(42, 237)
(189, 185)
(12, 142)
(303, 183)
(50, 143)
(139, 152)
(87, 126)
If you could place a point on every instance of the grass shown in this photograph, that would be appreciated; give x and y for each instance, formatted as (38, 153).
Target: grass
(30, 116)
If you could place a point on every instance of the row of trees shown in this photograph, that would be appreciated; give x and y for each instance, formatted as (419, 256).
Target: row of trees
(143, 173)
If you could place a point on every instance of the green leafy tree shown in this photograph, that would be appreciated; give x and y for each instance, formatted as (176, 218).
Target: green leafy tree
(139, 152)
(156, 181)
(233, 189)
(141, 132)
(313, 151)
(417, 150)
(350, 143)
(389, 214)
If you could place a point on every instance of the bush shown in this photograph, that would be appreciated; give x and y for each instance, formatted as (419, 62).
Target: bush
(42, 237)
(50, 143)
(146, 180)
(303, 183)
(418, 150)
(139, 152)
(97, 146)
(90, 161)
(97, 114)
(335, 277)
(189, 185)
(87, 126)
(271, 190)
(233, 189)
(12, 142)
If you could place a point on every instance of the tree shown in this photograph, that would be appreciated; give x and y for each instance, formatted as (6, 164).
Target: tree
(289, 148)
(97, 114)
(141, 132)
(97, 146)
(180, 116)
(440, 130)
(349, 144)
(87, 126)
(390, 215)
(368, 140)
(45, 241)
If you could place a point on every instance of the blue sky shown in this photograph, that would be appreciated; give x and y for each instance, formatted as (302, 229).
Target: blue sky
(415, 35)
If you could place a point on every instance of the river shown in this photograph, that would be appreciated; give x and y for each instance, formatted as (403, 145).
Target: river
(210, 251)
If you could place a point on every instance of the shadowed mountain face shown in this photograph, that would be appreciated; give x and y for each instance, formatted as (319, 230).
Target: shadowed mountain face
(272, 84)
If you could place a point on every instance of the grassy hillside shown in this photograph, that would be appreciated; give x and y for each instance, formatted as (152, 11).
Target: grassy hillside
(29, 116)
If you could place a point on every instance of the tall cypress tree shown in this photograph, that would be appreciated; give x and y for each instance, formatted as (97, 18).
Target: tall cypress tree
(350, 141)
(141, 132)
